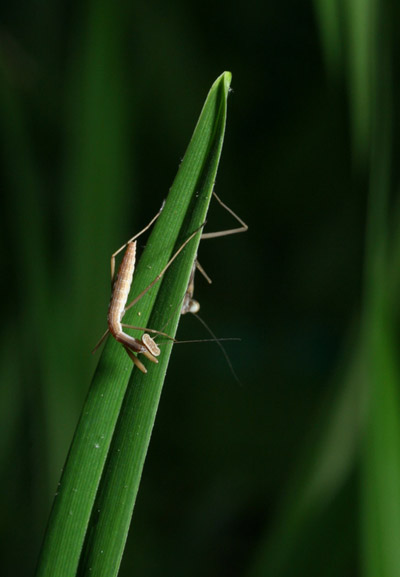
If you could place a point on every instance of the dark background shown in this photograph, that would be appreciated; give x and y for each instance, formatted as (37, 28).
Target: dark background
(98, 103)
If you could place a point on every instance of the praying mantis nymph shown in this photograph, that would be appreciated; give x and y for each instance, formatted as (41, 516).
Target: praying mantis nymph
(121, 285)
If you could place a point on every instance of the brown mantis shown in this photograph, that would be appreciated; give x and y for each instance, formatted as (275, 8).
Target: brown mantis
(122, 284)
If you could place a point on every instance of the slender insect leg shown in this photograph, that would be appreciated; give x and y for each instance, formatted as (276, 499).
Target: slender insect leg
(203, 272)
(100, 341)
(147, 330)
(241, 228)
(121, 248)
(158, 277)
(190, 305)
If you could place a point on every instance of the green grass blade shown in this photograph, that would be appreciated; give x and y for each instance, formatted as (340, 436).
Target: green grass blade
(380, 503)
(107, 403)
(313, 497)
(360, 27)
(328, 19)
(381, 465)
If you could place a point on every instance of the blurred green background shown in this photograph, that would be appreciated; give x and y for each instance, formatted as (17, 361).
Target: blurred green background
(297, 470)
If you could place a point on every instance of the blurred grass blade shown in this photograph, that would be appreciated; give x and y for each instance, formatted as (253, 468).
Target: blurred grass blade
(328, 17)
(185, 210)
(381, 465)
(359, 29)
(291, 548)
(324, 469)
(25, 210)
